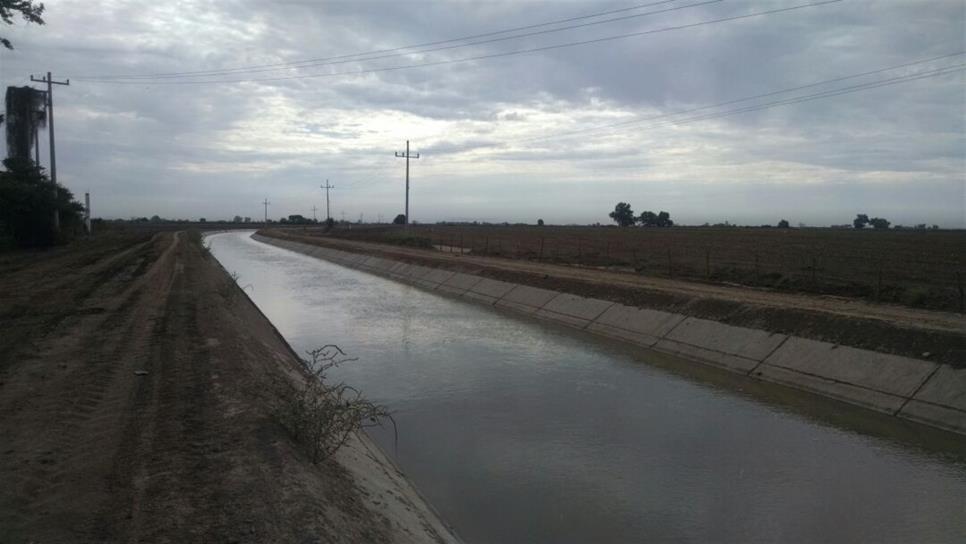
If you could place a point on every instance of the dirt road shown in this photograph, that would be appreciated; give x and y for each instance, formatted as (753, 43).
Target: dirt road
(882, 327)
(132, 379)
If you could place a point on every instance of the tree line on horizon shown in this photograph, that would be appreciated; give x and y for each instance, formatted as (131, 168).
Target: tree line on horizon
(624, 216)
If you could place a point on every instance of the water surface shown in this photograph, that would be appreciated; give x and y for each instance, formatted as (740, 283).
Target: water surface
(518, 431)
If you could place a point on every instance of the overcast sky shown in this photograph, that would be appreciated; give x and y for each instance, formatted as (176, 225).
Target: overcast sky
(506, 138)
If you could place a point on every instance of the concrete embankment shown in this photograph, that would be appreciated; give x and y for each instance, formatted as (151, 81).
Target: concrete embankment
(919, 390)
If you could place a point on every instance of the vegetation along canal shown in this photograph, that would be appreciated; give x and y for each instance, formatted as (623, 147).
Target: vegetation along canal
(522, 432)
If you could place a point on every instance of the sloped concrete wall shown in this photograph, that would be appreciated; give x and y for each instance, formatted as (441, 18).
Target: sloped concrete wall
(914, 389)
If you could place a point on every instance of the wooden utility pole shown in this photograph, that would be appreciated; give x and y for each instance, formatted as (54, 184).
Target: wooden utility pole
(87, 213)
(328, 214)
(266, 203)
(50, 132)
(407, 155)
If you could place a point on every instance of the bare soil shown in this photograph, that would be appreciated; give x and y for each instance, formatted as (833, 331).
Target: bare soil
(133, 374)
(913, 267)
(889, 328)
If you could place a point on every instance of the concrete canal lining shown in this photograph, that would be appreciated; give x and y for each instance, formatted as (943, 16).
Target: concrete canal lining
(913, 389)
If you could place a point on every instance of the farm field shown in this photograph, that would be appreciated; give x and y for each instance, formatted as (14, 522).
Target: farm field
(918, 268)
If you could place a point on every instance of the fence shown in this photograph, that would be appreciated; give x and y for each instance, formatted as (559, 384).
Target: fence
(915, 268)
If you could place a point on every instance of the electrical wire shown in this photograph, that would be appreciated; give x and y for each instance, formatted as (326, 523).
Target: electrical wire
(739, 100)
(794, 100)
(313, 62)
(482, 57)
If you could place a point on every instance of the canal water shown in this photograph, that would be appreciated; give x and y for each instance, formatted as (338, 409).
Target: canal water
(518, 431)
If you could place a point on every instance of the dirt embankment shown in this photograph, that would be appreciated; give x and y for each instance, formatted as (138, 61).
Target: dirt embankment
(132, 408)
(881, 327)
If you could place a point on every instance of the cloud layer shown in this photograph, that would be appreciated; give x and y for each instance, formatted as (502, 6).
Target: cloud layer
(506, 138)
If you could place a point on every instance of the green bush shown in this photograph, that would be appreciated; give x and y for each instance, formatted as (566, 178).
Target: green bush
(28, 200)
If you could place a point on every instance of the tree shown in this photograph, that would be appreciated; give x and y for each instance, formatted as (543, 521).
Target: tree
(783, 224)
(236, 219)
(539, 222)
(622, 214)
(860, 221)
(29, 11)
(664, 220)
(28, 200)
(651, 219)
(879, 223)
(399, 220)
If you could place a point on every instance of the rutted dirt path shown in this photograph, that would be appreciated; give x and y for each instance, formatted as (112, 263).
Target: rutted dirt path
(881, 327)
(132, 409)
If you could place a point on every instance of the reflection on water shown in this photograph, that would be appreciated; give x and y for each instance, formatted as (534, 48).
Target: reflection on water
(521, 432)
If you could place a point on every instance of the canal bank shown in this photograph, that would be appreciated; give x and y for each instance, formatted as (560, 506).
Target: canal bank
(136, 384)
(915, 389)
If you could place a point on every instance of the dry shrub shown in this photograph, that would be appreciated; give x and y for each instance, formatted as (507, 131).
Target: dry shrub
(321, 416)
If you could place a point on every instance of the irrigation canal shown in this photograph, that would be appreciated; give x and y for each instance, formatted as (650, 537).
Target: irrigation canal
(518, 431)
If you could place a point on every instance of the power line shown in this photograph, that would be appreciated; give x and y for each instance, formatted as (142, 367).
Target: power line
(814, 96)
(313, 62)
(483, 57)
(738, 100)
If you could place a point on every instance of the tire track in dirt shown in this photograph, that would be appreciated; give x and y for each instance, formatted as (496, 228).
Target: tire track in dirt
(89, 368)
(184, 450)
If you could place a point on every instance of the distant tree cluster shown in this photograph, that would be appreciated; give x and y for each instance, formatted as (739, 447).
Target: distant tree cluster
(624, 216)
(878, 223)
(297, 219)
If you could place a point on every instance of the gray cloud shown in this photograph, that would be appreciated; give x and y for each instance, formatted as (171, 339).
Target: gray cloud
(217, 150)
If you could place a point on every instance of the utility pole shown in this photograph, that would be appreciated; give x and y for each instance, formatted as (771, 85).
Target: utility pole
(87, 212)
(314, 218)
(407, 155)
(50, 132)
(266, 203)
(328, 215)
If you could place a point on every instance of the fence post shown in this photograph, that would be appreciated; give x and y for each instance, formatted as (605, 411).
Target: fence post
(959, 284)
(670, 270)
(878, 279)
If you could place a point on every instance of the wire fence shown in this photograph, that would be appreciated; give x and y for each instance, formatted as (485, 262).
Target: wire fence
(911, 267)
